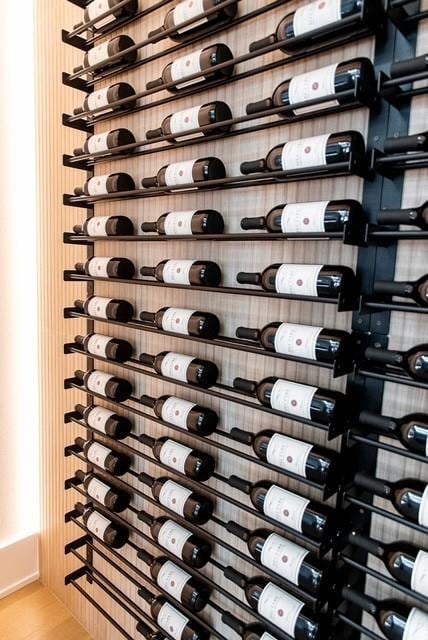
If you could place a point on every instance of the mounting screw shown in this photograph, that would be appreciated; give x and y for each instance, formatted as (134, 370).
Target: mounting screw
(378, 323)
(360, 321)
(376, 138)
(377, 345)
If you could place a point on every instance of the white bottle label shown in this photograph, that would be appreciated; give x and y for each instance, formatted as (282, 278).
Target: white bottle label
(173, 537)
(97, 344)
(98, 142)
(97, 524)
(288, 453)
(97, 306)
(179, 223)
(175, 365)
(292, 397)
(174, 496)
(97, 454)
(419, 582)
(97, 8)
(307, 152)
(98, 381)
(172, 579)
(423, 509)
(98, 267)
(312, 86)
(179, 173)
(298, 279)
(172, 621)
(174, 455)
(177, 271)
(97, 226)
(279, 608)
(97, 186)
(416, 626)
(98, 490)
(98, 54)
(285, 507)
(186, 66)
(283, 557)
(187, 10)
(98, 99)
(297, 340)
(98, 417)
(184, 121)
(303, 217)
(177, 320)
(267, 636)
(176, 410)
(316, 15)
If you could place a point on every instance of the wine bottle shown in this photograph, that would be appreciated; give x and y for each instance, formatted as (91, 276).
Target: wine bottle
(191, 462)
(297, 456)
(109, 460)
(188, 272)
(107, 308)
(314, 280)
(106, 141)
(411, 430)
(314, 520)
(106, 421)
(147, 632)
(414, 361)
(186, 10)
(101, 54)
(107, 98)
(187, 172)
(193, 506)
(177, 625)
(408, 496)
(407, 67)
(285, 558)
(415, 216)
(396, 620)
(318, 21)
(103, 185)
(253, 631)
(416, 290)
(96, 8)
(183, 413)
(177, 366)
(105, 226)
(324, 406)
(184, 544)
(198, 222)
(329, 216)
(356, 76)
(113, 499)
(276, 605)
(106, 346)
(107, 267)
(184, 321)
(202, 61)
(191, 592)
(309, 153)
(105, 384)
(405, 562)
(178, 123)
(111, 533)
(406, 144)
(303, 341)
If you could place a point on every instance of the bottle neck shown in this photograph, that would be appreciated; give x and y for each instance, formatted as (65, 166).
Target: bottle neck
(374, 547)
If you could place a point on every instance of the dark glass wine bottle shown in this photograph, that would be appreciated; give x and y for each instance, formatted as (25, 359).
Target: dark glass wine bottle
(105, 226)
(187, 172)
(253, 631)
(107, 98)
(180, 122)
(188, 272)
(183, 413)
(191, 462)
(201, 373)
(147, 632)
(111, 533)
(101, 54)
(199, 222)
(105, 421)
(407, 67)
(98, 267)
(107, 308)
(109, 460)
(96, 8)
(414, 217)
(106, 142)
(411, 430)
(184, 321)
(113, 499)
(186, 10)
(406, 144)
(105, 346)
(106, 184)
(414, 361)
(416, 290)
(105, 384)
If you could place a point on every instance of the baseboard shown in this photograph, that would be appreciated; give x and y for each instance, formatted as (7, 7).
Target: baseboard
(19, 585)
(19, 564)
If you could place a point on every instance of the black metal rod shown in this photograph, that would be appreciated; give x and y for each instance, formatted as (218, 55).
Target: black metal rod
(392, 306)
(387, 447)
(386, 514)
(393, 377)
(392, 234)
(71, 238)
(357, 627)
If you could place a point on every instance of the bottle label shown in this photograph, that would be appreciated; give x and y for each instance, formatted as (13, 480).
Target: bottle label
(175, 365)
(174, 496)
(172, 579)
(98, 99)
(98, 490)
(292, 397)
(97, 524)
(285, 507)
(297, 340)
(416, 626)
(179, 173)
(97, 8)
(98, 267)
(283, 557)
(279, 608)
(98, 417)
(98, 381)
(307, 152)
(187, 10)
(298, 279)
(312, 86)
(177, 271)
(97, 307)
(174, 455)
(172, 621)
(423, 509)
(98, 454)
(267, 636)
(98, 142)
(419, 582)
(185, 120)
(179, 223)
(304, 217)
(288, 453)
(97, 186)
(97, 226)
(98, 54)
(97, 345)
(173, 537)
(186, 66)
(177, 320)
(316, 15)
(175, 411)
